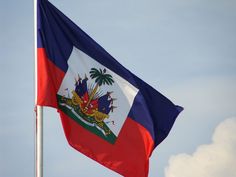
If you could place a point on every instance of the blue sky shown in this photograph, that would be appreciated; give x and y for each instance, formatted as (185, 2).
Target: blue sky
(183, 48)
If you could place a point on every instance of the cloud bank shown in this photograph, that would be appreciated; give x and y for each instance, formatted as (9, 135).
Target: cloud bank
(217, 159)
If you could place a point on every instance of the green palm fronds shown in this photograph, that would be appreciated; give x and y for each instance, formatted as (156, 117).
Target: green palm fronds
(101, 77)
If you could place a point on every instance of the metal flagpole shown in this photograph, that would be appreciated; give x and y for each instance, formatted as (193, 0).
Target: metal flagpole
(39, 142)
(39, 109)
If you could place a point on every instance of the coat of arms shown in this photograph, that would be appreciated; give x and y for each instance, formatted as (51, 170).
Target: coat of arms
(89, 106)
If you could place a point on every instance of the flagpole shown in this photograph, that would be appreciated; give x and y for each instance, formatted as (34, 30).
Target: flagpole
(39, 142)
(39, 109)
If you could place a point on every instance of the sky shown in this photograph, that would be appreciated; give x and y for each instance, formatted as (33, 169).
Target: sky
(183, 48)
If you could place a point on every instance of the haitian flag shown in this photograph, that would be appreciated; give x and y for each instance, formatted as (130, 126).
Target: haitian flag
(107, 112)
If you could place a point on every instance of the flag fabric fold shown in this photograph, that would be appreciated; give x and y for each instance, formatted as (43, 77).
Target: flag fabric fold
(107, 112)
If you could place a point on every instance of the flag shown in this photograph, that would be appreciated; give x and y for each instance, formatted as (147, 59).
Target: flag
(107, 112)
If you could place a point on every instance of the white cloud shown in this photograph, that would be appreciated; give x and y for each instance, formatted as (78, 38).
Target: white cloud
(213, 160)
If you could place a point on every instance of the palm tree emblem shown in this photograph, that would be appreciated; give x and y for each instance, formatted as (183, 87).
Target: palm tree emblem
(90, 107)
(101, 78)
